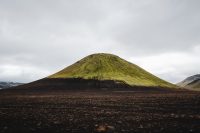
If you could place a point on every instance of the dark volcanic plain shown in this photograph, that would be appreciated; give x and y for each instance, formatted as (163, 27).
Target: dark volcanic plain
(99, 111)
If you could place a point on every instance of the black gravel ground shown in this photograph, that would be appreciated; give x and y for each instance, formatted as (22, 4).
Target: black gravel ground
(98, 111)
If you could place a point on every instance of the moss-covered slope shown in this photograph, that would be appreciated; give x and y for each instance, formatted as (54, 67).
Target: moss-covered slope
(110, 67)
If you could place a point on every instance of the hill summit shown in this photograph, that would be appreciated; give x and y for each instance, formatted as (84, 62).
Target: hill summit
(104, 66)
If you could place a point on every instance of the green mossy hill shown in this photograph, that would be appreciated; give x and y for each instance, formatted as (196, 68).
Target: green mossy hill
(110, 67)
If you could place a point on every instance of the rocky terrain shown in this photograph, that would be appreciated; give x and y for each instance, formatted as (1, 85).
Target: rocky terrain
(99, 111)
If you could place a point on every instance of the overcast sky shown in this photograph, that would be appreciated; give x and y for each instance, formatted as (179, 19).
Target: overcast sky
(40, 37)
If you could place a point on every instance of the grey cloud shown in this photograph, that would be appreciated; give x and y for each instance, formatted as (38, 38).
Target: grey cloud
(161, 26)
(47, 35)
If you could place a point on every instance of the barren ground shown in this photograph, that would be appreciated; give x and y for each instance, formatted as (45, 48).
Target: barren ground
(67, 111)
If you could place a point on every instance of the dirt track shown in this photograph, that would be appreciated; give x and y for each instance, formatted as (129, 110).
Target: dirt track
(138, 112)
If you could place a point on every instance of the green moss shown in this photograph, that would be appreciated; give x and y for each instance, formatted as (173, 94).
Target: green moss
(110, 67)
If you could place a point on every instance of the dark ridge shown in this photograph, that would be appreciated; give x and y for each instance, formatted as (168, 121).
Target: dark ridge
(77, 84)
(193, 82)
(194, 77)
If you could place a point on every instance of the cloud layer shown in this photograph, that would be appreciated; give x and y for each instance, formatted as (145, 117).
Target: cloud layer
(38, 38)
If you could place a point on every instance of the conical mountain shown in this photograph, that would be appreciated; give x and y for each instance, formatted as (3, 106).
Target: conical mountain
(101, 71)
(110, 67)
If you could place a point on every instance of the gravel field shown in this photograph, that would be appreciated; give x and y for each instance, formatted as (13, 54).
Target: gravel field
(99, 111)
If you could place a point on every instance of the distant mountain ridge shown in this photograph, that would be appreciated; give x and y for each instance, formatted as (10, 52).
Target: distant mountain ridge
(192, 82)
(4, 85)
